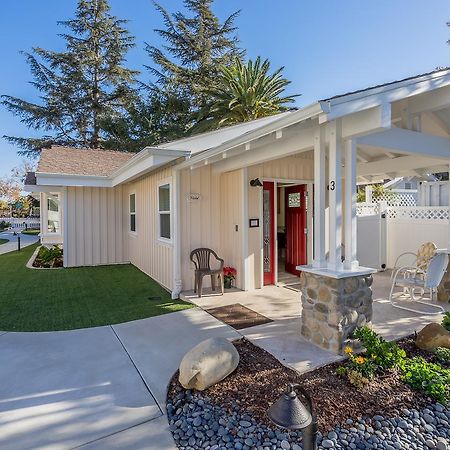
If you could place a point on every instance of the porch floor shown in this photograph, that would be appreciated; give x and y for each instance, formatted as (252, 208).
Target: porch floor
(282, 337)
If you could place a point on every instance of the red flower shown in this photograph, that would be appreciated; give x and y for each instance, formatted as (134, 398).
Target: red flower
(230, 272)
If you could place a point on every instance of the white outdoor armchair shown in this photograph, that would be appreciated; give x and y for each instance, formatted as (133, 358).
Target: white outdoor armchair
(410, 278)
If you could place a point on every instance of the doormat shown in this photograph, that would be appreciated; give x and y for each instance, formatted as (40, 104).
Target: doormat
(238, 316)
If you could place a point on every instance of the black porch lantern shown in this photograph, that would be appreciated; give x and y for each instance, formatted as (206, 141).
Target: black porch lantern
(291, 413)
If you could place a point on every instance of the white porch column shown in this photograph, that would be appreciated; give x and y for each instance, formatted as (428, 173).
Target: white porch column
(350, 206)
(335, 196)
(448, 187)
(319, 198)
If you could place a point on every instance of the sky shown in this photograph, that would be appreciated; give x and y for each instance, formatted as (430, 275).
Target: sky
(327, 47)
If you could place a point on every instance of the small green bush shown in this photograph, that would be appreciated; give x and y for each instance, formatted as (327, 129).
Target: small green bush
(431, 378)
(4, 224)
(446, 321)
(443, 355)
(381, 354)
(49, 257)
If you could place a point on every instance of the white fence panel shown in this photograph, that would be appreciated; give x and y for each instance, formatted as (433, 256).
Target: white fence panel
(406, 235)
(19, 223)
(371, 241)
(433, 193)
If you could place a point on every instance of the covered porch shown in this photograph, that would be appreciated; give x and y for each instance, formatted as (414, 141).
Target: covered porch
(383, 132)
(282, 335)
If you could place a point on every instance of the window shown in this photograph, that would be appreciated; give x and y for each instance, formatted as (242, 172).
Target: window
(294, 200)
(53, 213)
(164, 211)
(133, 212)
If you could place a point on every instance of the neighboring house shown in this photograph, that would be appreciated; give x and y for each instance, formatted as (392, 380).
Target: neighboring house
(241, 189)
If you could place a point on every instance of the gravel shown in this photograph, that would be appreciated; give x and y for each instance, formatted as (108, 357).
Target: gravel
(233, 413)
(196, 423)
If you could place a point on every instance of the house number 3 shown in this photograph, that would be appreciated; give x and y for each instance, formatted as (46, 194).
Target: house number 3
(332, 186)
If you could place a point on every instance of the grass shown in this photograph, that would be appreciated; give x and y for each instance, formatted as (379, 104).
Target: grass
(65, 299)
(33, 232)
(3, 241)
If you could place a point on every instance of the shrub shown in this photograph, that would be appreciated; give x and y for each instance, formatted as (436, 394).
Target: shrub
(443, 355)
(4, 224)
(431, 378)
(358, 380)
(446, 321)
(50, 257)
(382, 354)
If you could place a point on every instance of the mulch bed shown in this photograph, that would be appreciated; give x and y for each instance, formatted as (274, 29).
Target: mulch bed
(238, 316)
(260, 379)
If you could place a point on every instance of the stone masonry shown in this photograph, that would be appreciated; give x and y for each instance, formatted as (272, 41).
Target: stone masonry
(333, 308)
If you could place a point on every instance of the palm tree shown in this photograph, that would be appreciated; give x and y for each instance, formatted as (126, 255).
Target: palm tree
(245, 92)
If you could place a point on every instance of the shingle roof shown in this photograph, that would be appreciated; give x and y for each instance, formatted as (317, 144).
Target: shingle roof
(81, 161)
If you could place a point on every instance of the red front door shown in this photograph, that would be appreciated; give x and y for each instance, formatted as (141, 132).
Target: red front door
(269, 232)
(295, 207)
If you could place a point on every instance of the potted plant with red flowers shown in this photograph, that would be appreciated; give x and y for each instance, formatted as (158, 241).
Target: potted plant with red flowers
(229, 275)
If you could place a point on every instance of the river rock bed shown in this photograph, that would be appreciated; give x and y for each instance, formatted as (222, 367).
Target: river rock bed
(233, 414)
(198, 424)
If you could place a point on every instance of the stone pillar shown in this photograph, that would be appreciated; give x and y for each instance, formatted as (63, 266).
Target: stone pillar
(333, 308)
(443, 290)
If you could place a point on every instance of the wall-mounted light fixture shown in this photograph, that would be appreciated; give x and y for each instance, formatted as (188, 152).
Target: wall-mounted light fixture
(256, 183)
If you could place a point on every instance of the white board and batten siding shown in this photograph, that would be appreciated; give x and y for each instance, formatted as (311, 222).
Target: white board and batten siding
(145, 250)
(211, 208)
(95, 223)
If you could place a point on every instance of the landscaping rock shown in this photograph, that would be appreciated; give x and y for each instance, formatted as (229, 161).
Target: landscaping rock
(208, 363)
(433, 336)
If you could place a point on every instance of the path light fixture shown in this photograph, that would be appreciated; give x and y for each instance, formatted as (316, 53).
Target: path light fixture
(291, 413)
(256, 183)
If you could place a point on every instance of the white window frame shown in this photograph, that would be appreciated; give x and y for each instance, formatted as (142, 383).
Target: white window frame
(130, 231)
(167, 181)
(59, 213)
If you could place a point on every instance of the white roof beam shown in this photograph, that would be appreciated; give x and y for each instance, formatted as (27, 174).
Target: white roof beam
(432, 101)
(395, 165)
(300, 142)
(436, 117)
(397, 140)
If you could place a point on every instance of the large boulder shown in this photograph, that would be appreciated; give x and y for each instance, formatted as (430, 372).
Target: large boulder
(432, 336)
(208, 363)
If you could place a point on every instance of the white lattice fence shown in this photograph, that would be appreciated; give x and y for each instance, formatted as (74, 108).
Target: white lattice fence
(431, 213)
(367, 209)
(398, 198)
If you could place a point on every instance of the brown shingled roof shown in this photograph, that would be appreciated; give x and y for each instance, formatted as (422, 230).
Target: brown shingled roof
(81, 161)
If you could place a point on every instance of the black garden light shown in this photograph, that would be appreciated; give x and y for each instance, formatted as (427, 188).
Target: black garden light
(291, 413)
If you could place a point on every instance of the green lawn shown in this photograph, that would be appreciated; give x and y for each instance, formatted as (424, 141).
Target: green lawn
(3, 241)
(31, 231)
(64, 299)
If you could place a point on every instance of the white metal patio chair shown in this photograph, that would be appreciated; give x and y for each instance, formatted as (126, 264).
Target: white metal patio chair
(421, 259)
(410, 278)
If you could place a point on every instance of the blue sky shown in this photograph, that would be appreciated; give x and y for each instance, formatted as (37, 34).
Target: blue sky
(327, 46)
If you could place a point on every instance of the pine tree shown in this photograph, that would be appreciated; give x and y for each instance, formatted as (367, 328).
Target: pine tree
(81, 87)
(186, 68)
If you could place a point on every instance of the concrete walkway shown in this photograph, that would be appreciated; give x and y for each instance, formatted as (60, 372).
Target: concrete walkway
(25, 241)
(96, 388)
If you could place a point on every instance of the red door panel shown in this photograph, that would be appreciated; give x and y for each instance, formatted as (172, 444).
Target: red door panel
(269, 232)
(295, 207)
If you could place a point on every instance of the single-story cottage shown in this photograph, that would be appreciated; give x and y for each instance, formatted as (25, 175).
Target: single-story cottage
(268, 195)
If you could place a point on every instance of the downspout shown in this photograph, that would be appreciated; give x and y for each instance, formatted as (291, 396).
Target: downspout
(65, 222)
(177, 281)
